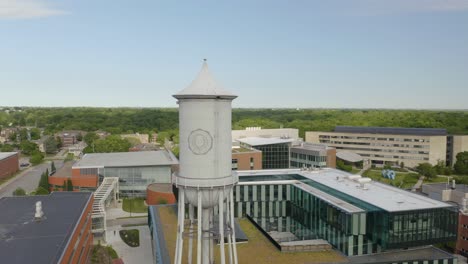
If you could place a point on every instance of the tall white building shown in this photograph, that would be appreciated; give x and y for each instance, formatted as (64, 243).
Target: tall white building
(205, 180)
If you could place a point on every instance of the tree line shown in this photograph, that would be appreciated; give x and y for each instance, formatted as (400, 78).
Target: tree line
(148, 120)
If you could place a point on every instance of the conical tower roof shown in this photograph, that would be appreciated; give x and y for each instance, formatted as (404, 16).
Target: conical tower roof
(204, 86)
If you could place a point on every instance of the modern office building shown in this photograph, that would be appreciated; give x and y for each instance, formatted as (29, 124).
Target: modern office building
(356, 215)
(135, 170)
(275, 151)
(369, 222)
(57, 231)
(246, 159)
(9, 164)
(458, 194)
(266, 133)
(381, 145)
(309, 155)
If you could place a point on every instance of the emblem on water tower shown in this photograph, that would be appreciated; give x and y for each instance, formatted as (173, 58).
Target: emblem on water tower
(200, 141)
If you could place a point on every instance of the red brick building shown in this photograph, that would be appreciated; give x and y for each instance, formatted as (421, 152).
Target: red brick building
(9, 164)
(246, 159)
(80, 182)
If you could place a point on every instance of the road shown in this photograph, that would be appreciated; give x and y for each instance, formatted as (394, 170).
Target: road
(28, 179)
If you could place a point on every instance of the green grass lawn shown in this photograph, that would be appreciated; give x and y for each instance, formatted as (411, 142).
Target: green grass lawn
(131, 237)
(402, 180)
(134, 205)
(355, 170)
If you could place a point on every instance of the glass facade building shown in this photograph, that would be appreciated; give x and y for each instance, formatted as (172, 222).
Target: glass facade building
(308, 209)
(274, 156)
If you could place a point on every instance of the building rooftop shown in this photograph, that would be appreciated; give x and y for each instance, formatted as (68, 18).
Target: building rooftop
(126, 159)
(204, 86)
(312, 146)
(242, 150)
(348, 156)
(4, 155)
(65, 170)
(403, 256)
(386, 197)
(392, 130)
(24, 240)
(259, 141)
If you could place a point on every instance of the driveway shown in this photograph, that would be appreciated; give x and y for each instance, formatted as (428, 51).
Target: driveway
(27, 179)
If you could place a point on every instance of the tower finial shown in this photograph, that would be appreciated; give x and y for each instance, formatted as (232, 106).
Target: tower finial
(204, 60)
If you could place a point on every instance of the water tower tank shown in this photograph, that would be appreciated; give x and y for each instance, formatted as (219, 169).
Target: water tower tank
(205, 179)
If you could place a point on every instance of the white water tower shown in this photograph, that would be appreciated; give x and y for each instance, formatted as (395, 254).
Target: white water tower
(205, 179)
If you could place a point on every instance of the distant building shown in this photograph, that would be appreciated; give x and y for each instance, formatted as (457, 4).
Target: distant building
(59, 180)
(5, 134)
(9, 164)
(135, 170)
(309, 155)
(69, 138)
(458, 194)
(266, 133)
(411, 146)
(455, 145)
(246, 159)
(275, 151)
(61, 235)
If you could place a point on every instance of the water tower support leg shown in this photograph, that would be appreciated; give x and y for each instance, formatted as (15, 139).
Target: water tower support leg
(199, 225)
(181, 226)
(233, 223)
(221, 226)
(191, 216)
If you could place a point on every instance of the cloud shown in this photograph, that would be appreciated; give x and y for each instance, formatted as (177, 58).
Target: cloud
(27, 9)
(382, 7)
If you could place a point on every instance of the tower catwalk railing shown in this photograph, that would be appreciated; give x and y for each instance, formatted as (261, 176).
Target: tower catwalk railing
(203, 226)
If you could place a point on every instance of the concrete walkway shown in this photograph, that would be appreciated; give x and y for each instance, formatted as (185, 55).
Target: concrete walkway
(418, 184)
(142, 254)
(118, 212)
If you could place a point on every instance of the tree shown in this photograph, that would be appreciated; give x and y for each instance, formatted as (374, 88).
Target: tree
(44, 180)
(7, 148)
(461, 165)
(41, 191)
(427, 170)
(28, 147)
(36, 157)
(59, 142)
(13, 136)
(69, 185)
(23, 134)
(50, 145)
(35, 133)
(52, 168)
(113, 143)
(90, 138)
(342, 166)
(19, 192)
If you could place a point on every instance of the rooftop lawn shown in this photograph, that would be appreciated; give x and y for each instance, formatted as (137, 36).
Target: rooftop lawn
(257, 250)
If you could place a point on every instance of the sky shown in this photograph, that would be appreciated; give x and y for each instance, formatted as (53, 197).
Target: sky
(272, 54)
